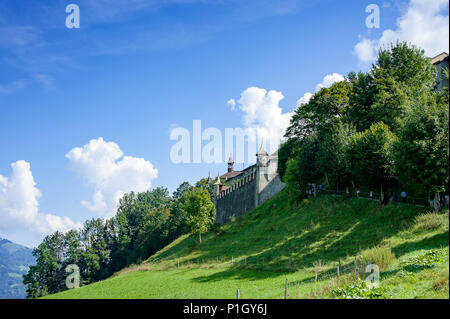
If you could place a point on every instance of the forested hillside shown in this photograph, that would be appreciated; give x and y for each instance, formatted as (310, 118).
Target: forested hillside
(14, 262)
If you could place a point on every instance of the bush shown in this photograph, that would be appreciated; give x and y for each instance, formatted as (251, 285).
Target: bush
(429, 259)
(430, 221)
(380, 256)
(441, 284)
(359, 290)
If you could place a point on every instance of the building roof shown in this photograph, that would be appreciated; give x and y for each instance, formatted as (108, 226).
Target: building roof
(230, 160)
(231, 174)
(261, 151)
(439, 58)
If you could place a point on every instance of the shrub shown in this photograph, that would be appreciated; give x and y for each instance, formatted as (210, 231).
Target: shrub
(380, 256)
(429, 259)
(359, 290)
(220, 231)
(441, 284)
(430, 221)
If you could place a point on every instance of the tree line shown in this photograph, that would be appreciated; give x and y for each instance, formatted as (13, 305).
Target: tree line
(143, 224)
(387, 128)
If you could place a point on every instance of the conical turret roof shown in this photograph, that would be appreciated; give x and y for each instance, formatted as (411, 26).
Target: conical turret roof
(261, 151)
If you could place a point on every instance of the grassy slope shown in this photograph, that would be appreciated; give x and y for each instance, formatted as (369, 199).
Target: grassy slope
(280, 240)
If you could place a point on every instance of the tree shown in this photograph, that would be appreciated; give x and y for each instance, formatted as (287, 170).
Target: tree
(95, 260)
(370, 156)
(132, 215)
(332, 154)
(207, 184)
(323, 109)
(199, 210)
(47, 276)
(401, 75)
(178, 193)
(292, 179)
(422, 151)
(155, 233)
(285, 152)
(303, 168)
(361, 100)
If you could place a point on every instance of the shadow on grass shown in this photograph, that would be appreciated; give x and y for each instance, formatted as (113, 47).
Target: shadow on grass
(435, 241)
(276, 234)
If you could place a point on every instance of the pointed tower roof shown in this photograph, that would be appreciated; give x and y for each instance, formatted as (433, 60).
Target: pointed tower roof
(218, 181)
(230, 160)
(261, 151)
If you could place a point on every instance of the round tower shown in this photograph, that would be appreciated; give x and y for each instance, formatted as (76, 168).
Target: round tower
(230, 164)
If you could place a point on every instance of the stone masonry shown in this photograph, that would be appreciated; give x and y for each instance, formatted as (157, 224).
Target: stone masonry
(249, 189)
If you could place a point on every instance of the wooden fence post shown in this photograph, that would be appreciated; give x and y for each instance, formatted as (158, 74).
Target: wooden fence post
(315, 284)
(339, 269)
(285, 289)
(237, 293)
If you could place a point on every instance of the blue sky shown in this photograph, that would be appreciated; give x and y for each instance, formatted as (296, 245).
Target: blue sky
(134, 70)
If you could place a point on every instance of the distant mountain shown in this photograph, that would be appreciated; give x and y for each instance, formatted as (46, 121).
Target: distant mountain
(14, 262)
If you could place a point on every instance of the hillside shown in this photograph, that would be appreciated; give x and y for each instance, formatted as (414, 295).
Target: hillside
(280, 240)
(14, 262)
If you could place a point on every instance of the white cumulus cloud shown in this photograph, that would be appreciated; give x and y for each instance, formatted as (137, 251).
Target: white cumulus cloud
(20, 219)
(263, 117)
(327, 81)
(424, 24)
(232, 103)
(304, 99)
(103, 165)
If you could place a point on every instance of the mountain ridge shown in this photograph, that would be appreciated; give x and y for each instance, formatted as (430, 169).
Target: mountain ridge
(14, 262)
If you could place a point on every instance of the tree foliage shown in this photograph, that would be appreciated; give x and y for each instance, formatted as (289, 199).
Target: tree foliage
(199, 210)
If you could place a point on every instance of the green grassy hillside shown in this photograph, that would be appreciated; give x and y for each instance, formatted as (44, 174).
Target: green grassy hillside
(279, 240)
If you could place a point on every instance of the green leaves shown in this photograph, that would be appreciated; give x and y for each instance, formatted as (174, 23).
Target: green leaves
(359, 290)
(422, 152)
(199, 210)
(370, 154)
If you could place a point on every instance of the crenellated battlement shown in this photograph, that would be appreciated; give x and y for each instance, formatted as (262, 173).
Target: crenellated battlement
(237, 185)
(257, 184)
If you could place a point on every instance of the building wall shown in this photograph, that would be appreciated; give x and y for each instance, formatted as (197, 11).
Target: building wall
(440, 74)
(251, 191)
(272, 188)
(237, 200)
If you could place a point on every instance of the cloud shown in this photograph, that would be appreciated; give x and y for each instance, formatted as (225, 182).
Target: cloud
(111, 174)
(232, 103)
(263, 117)
(327, 81)
(20, 219)
(423, 24)
(19, 35)
(9, 88)
(304, 99)
(365, 50)
(45, 80)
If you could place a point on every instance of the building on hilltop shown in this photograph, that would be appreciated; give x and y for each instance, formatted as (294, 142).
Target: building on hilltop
(441, 63)
(247, 189)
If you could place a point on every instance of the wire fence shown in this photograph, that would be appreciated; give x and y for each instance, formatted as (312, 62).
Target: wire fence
(318, 273)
